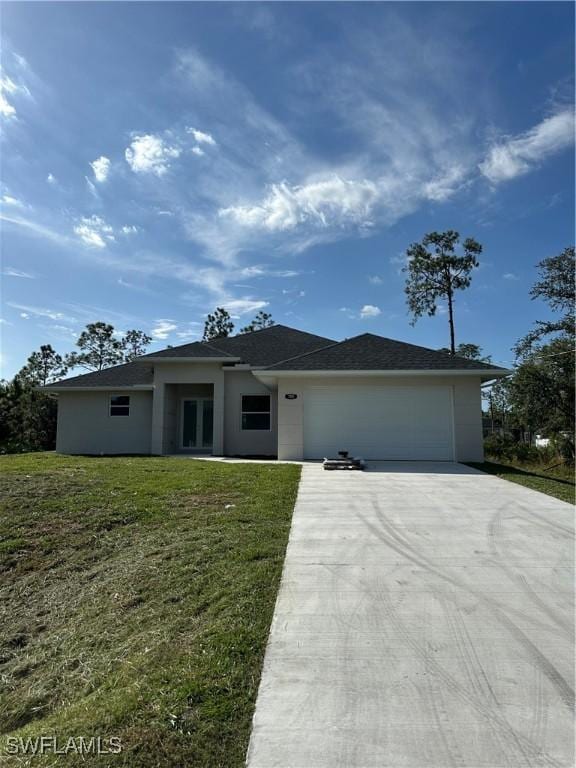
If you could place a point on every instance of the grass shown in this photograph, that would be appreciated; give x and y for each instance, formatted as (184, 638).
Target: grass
(558, 482)
(136, 599)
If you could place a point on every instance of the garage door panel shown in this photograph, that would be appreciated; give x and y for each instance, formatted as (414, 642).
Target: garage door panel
(379, 422)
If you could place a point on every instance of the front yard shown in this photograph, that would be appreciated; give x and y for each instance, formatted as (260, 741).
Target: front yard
(136, 598)
(558, 482)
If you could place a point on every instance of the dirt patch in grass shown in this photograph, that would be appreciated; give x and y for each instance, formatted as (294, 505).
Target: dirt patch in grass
(136, 599)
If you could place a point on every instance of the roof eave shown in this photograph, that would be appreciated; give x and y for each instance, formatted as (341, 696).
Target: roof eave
(101, 387)
(226, 359)
(482, 372)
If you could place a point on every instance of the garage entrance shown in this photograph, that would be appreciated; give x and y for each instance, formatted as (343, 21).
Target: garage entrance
(379, 422)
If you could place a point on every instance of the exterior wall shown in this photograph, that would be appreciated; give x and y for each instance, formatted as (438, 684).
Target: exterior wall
(85, 424)
(466, 402)
(468, 420)
(185, 373)
(249, 442)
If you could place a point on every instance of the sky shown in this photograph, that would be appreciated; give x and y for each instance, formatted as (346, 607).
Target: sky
(161, 159)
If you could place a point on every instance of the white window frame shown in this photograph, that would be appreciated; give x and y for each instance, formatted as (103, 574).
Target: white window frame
(269, 411)
(110, 406)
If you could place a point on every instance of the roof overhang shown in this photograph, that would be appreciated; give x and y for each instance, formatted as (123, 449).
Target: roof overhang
(269, 376)
(102, 388)
(227, 359)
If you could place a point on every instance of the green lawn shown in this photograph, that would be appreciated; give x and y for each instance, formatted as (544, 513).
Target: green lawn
(558, 482)
(135, 603)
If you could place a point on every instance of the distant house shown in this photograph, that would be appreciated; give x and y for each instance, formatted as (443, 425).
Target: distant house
(280, 392)
(541, 442)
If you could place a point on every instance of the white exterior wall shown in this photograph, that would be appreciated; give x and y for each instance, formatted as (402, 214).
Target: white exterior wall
(468, 420)
(249, 442)
(468, 442)
(85, 424)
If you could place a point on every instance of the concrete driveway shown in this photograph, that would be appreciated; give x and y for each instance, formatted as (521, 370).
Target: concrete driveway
(425, 618)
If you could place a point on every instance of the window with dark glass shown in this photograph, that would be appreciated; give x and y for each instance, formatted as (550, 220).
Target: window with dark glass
(256, 412)
(120, 405)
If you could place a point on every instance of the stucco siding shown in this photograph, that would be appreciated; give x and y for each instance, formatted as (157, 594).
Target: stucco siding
(468, 420)
(467, 415)
(85, 424)
(238, 442)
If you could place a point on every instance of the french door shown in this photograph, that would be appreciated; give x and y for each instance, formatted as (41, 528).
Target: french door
(197, 422)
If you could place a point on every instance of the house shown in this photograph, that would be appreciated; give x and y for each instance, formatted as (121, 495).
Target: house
(280, 392)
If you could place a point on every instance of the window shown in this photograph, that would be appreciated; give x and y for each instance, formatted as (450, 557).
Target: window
(120, 405)
(256, 412)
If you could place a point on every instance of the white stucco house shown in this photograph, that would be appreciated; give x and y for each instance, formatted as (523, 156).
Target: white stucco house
(283, 393)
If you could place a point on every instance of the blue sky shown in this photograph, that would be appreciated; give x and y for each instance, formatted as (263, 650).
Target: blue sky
(160, 159)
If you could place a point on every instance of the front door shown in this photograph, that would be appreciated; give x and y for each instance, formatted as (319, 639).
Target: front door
(197, 423)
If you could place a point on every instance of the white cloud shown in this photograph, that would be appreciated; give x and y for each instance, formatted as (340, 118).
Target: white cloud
(91, 188)
(510, 276)
(163, 329)
(11, 272)
(198, 151)
(6, 109)
(239, 307)
(26, 311)
(263, 271)
(375, 279)
(10, 90)
(516, 156)
(329, 202)
(13, 201)
(101, 169)
(7, 86)
(150, 154)
(61, 331)
(39, 230)
(94, 231)
(369, 311)
(51, 179)
(129, 229)
(189, 331)
(201, 137)
(446, 184)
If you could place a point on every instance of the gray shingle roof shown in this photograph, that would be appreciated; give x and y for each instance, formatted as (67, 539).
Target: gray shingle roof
(280, 348)
(376, 353)
(271, 345)
(195, 349)
(127, 375)
(261, 348)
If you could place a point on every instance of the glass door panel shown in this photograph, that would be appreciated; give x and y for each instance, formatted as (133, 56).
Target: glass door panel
(190, 424)
(207, 423)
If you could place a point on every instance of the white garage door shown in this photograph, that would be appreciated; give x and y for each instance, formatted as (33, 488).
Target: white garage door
(380, 422)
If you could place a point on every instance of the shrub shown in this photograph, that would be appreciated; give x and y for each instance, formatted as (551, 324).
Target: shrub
(499, 446)
(504, 447)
